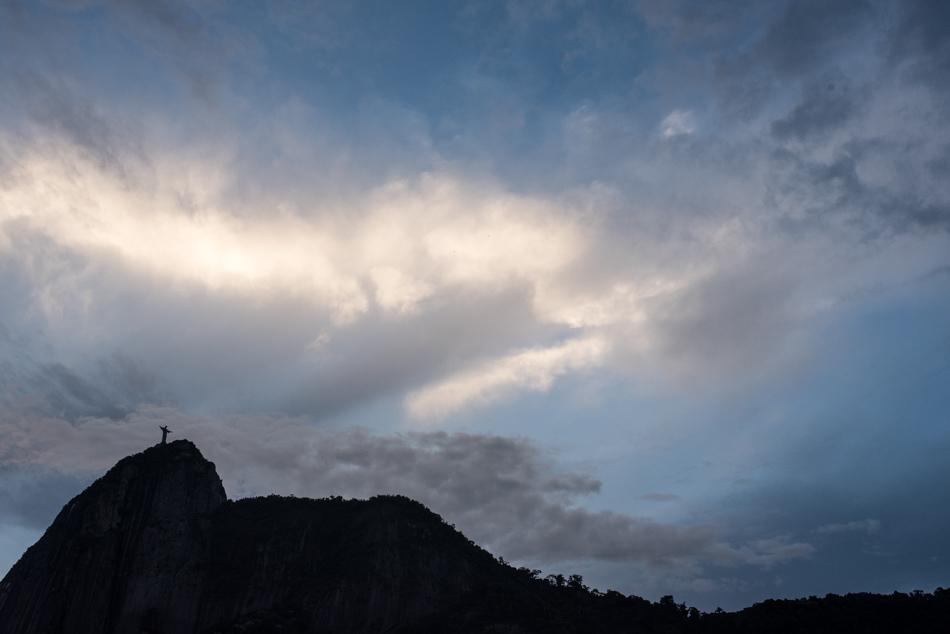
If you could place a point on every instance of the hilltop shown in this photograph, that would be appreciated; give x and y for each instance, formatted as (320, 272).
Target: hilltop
(155, 546)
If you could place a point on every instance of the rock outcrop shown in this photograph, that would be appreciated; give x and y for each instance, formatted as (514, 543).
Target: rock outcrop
(155, 546)
(129, 550)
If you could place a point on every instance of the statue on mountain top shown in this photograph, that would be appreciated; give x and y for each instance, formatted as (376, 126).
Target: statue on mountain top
(165, 432)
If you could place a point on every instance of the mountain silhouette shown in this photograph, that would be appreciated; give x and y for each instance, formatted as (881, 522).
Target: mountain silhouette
(155, 547)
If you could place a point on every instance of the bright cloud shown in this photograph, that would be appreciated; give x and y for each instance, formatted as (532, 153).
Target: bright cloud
(678, 122)
(533, 369)
(408, 248)
(409, 242)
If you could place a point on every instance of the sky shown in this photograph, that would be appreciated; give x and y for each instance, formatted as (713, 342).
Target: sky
(655, 292)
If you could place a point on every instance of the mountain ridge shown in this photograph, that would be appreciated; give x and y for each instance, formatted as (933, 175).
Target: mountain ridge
(154, 546)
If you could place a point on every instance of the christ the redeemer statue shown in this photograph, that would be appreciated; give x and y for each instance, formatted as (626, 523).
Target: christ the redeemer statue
(165, 432)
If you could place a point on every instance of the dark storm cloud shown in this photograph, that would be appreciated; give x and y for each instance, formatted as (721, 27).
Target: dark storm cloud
(807, 33)
(921, 39)
(826, 193)
(825, 107)
(799, 41)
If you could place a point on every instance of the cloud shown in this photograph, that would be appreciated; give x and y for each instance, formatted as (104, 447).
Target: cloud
(405, 283)
(110, 387)
(408, 240)
(799, 39)
(504, 492)
(269, 228)
(775, 550)
(919, 40)
(825, 107)
(807, 31)
(864, 526)
(533, 369)
(659, 497)
(678, 122)
(297, 218)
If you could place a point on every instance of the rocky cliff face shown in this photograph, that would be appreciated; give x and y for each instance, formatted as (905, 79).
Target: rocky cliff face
(155, 546)
(127, 551)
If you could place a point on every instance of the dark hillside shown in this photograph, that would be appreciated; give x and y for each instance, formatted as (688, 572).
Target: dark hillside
(860, 612)
(133, 544)
(155, 547)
